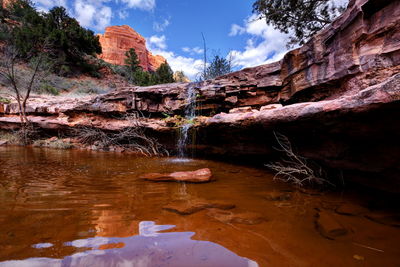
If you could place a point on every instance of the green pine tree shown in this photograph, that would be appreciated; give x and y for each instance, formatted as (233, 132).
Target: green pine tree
(164, 74)
(132, 60)
(218, 66)
(67, 43)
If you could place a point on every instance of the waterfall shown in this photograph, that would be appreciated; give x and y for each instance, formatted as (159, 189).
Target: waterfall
(190, 114)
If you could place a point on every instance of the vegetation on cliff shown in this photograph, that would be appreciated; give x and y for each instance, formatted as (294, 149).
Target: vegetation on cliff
(135, 74)
(302, 18)
(217, 67)
(67, 43)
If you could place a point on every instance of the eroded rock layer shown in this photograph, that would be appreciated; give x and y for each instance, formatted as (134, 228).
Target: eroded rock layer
(337, 99)
(116, 40)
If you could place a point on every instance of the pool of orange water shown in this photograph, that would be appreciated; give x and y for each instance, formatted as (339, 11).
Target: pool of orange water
(79, 208)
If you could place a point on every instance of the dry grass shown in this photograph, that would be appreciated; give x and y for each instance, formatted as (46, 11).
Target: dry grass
(56, 144)
(132, 138)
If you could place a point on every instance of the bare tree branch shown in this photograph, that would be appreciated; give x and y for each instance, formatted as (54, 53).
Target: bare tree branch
(295, 169)
(131, 138)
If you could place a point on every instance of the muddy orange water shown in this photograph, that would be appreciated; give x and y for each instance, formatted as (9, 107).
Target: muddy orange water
(77, 208)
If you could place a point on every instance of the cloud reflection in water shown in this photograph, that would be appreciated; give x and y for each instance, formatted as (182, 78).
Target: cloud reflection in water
(149, 248)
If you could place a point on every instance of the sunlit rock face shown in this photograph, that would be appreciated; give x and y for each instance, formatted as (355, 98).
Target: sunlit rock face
(5, 2)
(116, 40)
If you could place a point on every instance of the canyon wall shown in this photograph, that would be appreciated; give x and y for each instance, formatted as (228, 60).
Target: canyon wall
(116, 40)
(337, 98)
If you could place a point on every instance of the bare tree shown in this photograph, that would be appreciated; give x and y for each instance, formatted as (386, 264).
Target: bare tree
(295, 168)
(205, 56)
(20, 91)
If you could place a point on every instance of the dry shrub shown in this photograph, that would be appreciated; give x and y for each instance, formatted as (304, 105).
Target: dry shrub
(26, 134)
(295, 168)
(132, 138)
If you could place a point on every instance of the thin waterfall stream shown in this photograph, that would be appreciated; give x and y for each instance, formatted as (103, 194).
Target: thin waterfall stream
(190, 114)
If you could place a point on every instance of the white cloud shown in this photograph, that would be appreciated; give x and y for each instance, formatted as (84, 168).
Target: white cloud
(123, 14)
(45, 5)
(160, 27)
(92, 14)
(264, 45)
(193, 51)
(157, 42)
(84, 13)
(236, 30)
(96, 14)
(190, 66)
(103, 18)
(140, 4)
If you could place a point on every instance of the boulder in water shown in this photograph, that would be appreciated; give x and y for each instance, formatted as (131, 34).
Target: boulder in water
(391, 219)
(198, 176)
(248, 217)
(351, 209)
(187, 207)
(328, 225)
(278, 196)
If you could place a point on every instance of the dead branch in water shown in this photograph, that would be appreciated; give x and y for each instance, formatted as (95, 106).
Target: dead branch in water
(295, 168)
(132, 138)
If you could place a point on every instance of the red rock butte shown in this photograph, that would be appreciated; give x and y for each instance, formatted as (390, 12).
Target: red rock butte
(5, 2)
(116, 40)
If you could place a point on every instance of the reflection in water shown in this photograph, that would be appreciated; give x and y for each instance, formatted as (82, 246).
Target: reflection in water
(182, 190)
(180, 160)
(42, 245)
(149, 248)
(74, 207)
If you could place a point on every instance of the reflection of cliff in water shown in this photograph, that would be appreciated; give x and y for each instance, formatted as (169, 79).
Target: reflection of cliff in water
(149, 248)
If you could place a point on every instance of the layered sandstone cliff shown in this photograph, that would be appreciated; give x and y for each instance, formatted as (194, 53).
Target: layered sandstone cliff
(337, 99)
(116, 40)
(5, 3)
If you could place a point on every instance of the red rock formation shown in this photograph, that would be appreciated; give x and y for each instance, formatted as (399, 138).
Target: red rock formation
(155, 61)
(116, 40)
(5, 2)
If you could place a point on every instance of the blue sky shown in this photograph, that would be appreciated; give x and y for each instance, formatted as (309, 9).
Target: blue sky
(173, 28)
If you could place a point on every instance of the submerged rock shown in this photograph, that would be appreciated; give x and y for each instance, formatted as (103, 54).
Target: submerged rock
(385, 218)
(309, 191)
(351, 209)
(249, 218)
(328, 226)
(198, 176)
(187, 207)
(278, 196)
